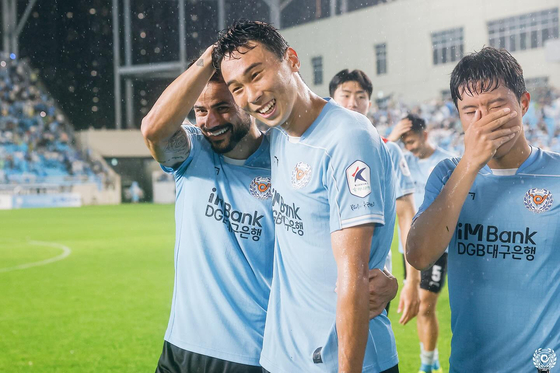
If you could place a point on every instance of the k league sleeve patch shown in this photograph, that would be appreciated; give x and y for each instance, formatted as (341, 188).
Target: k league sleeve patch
(404, 167)
(358, 178)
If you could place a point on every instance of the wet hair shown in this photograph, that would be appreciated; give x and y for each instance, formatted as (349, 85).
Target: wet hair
(484, 71)
(418, 124)
(242, 32)
(351, 76)
(215, 78)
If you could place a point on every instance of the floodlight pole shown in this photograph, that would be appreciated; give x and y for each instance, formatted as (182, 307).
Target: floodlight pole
(130, 72)
(11, 28)
(6, 25)
(116, 64)
(276, 7)
(129, 87)
(343, 6)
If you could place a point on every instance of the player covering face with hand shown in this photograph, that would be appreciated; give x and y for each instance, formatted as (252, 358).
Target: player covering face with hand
(496, 210)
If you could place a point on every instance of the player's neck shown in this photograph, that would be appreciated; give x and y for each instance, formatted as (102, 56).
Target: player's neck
(514, 158)
(247, 145)
(427, 153)
(307, 107)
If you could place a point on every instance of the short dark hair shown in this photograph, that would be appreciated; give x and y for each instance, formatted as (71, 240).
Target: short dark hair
(241, 33)
(484, 71)
(418, 124)
(215, 78)
(346, 75)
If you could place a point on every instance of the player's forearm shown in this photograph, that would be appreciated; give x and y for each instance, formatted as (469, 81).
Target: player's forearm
(175, 103)
(431, 232)
(352, 320)
(351, 249)
(405, 214)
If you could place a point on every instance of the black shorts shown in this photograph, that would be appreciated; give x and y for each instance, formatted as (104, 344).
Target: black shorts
(433, 278)
(176, 360)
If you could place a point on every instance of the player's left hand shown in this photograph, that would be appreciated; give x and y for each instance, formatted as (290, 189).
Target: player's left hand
(383, 287)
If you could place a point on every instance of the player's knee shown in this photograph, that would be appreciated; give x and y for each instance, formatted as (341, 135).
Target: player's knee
(427, 308)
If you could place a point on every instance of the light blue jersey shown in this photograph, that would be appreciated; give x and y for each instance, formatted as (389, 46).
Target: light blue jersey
(504, 266)
(336, 175)
(404, 183)
(223, 253)
(420, 170)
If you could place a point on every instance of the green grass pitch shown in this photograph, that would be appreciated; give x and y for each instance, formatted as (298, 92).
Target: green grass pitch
(104, 307)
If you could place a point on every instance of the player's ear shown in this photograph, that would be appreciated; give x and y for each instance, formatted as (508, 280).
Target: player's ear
(293, 59)
(525, 101)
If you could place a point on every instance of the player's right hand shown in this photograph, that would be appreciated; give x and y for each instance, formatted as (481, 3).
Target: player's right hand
(409, 302)
(485, 135)
(400, 129)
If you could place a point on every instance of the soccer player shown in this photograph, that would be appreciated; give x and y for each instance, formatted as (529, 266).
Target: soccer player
(352, 90)
(422, 157)
(496, 210)
(224, 234)
(333, 205)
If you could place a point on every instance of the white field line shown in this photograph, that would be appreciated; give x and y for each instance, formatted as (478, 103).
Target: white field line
(65, 252)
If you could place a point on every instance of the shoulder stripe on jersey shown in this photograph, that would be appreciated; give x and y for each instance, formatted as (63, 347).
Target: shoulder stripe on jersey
(536, 175)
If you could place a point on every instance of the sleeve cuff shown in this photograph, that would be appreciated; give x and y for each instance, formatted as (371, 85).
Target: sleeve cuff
(360, 220)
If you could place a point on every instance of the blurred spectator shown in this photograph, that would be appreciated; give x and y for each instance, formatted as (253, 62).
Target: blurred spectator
(542, 120)
(34, 144)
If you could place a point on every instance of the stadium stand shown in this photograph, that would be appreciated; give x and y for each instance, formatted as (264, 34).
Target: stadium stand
(542, 121)
(37, 154)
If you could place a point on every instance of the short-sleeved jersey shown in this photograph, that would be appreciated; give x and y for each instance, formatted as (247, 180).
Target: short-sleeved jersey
(223, 253)
(404, 183)
(335, 176)
(504, 265)
(420, 170)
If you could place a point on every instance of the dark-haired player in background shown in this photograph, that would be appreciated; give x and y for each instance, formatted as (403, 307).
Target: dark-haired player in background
(422, 157)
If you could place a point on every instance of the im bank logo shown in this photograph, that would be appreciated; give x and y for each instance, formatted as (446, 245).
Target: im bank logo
(544, 359)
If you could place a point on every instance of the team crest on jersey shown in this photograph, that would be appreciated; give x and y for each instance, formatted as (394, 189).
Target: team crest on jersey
(544, 359)
(404, 167)
(358, 177)
(301, 175)
(260, 188)
(538, 200)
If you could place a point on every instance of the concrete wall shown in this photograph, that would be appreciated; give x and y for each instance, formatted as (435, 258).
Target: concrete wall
(347, 41)
(114, 143)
